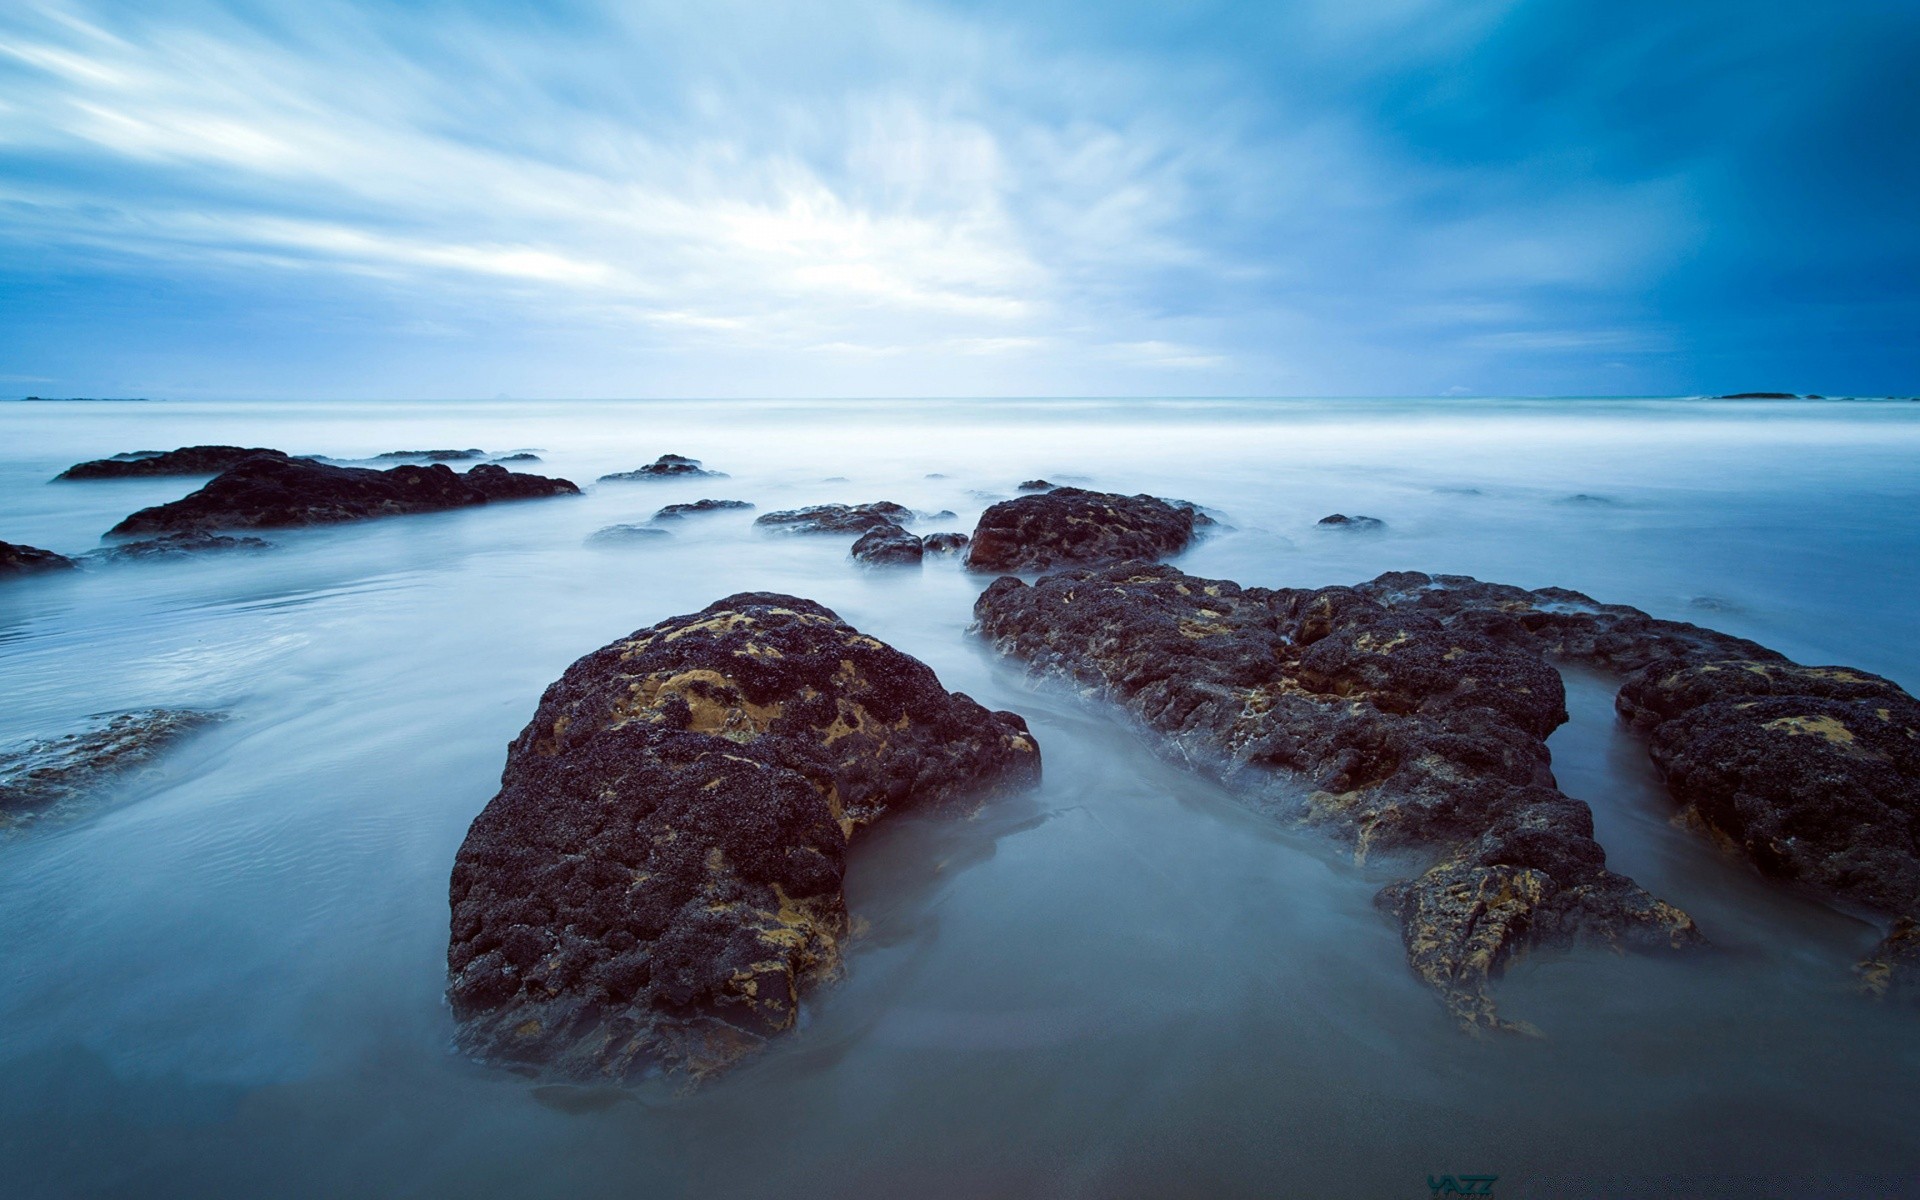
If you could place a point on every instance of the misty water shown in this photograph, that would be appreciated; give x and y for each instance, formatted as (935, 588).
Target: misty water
(227, 981)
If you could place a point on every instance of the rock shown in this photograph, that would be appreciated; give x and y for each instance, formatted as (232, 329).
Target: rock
(944, 543)
(174, 545)
(188, 460)
(1585, 498)
(1035, 485)
(627, 533)
(674, 512)
(523, 456)
(887, 545)
(16, 559)
(1760, 396)
(667, 466)
(264, 492)
(1343, 521)
(1070, 525)
(934, 475)
(1893, 970)
(435, 455)
(837, 518)
(43, 776)
(1365, 715)
(659, 878)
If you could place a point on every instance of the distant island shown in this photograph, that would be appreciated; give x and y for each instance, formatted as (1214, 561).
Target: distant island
(86, 399)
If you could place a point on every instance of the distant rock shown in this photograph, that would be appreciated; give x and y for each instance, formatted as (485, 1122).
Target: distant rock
(887, 545)
(934, 475)
(944, 543)
(1760, 396)
(188, 460)
(667, 466)
(16, 559)
(45, 776)
(435, 455)
(264, 493)
(1459, 491)
(836, 518)
(1343, 521)
(675, 512)
(627, 533)
(1070, 525)
(1587, 499)
(176, 545)
(1036, 485)
(522, 457)
(658, 880)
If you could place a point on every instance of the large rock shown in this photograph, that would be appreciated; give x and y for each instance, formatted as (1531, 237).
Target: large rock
(44, 777)
(436, 455)
(667, 466)
(659, 878)
(1070, 525)
(1372, 719)
(677, 512)
(16, 559)
(268, 492)
(836, 518)
(187, 460)
(888, 545)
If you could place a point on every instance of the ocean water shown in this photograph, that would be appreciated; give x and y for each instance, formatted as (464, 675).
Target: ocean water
(227, 981)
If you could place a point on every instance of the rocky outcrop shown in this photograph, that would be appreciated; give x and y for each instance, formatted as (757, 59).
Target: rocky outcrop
(667, 466)
(435, 455)
(271, 492)
(521, 457)
(45, 777)
(659, 878)
(1035, 485)
(16, 559)
(188, 460)
(178, 545)
(944, 543)
(1068, 526)
(675, 512)
(1343, 521)
(1360, 713)
(836, 518)
(888, 545)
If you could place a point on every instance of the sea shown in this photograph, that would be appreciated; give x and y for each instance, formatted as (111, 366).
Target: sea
(225, 979)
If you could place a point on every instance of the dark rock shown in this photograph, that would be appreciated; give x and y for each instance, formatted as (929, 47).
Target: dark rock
(188, 460)
(1343, 521)
(523, 456)
(1035, 485)
(16, 559)
(272, 492)
(1760, 396)
(627, 533)
(944, 543)
(44, 776)
(667, 466)
(1585, 498)
(935, 475)
(837, 518)
(174, 545)
(1358, 711)
(435, 455)
(1070, 525)
(887, 545)
(674, 512)
(659, 878)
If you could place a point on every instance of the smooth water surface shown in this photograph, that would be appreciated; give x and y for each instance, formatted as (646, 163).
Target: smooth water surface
(228, 981)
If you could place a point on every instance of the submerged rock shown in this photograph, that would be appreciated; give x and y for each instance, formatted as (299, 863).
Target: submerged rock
(659, 878)
(174, 545)
(187, 460)
(944, 543)
(1071, 525)
(887, 545)
(44, 776)
(435, 455)
(627, 533)
(674, 512)
(1363, 715)
(16, 559)
(667, 466)
(837, 518)
(1343, 521)
(263, 493)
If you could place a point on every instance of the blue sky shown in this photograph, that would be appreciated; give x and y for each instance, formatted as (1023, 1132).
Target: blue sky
(1328, 197)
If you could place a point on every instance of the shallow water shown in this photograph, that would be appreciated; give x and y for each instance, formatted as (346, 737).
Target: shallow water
(1124, 984)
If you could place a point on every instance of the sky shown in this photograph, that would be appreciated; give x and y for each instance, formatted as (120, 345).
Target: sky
(593, 198)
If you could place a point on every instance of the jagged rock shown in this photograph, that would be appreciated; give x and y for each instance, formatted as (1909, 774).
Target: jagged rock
(16, 559)
(188, 460)
(435, 455)
(264, 492)
(667, 466)
(1035, 485)
(1071, 525)
(1343, 521)
(174, 545)
(659, 878)
(44, 776)
(627, 533)
(944, 543)
(675, 512)
(887, 545)
(837, 518)
(1369, 717)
